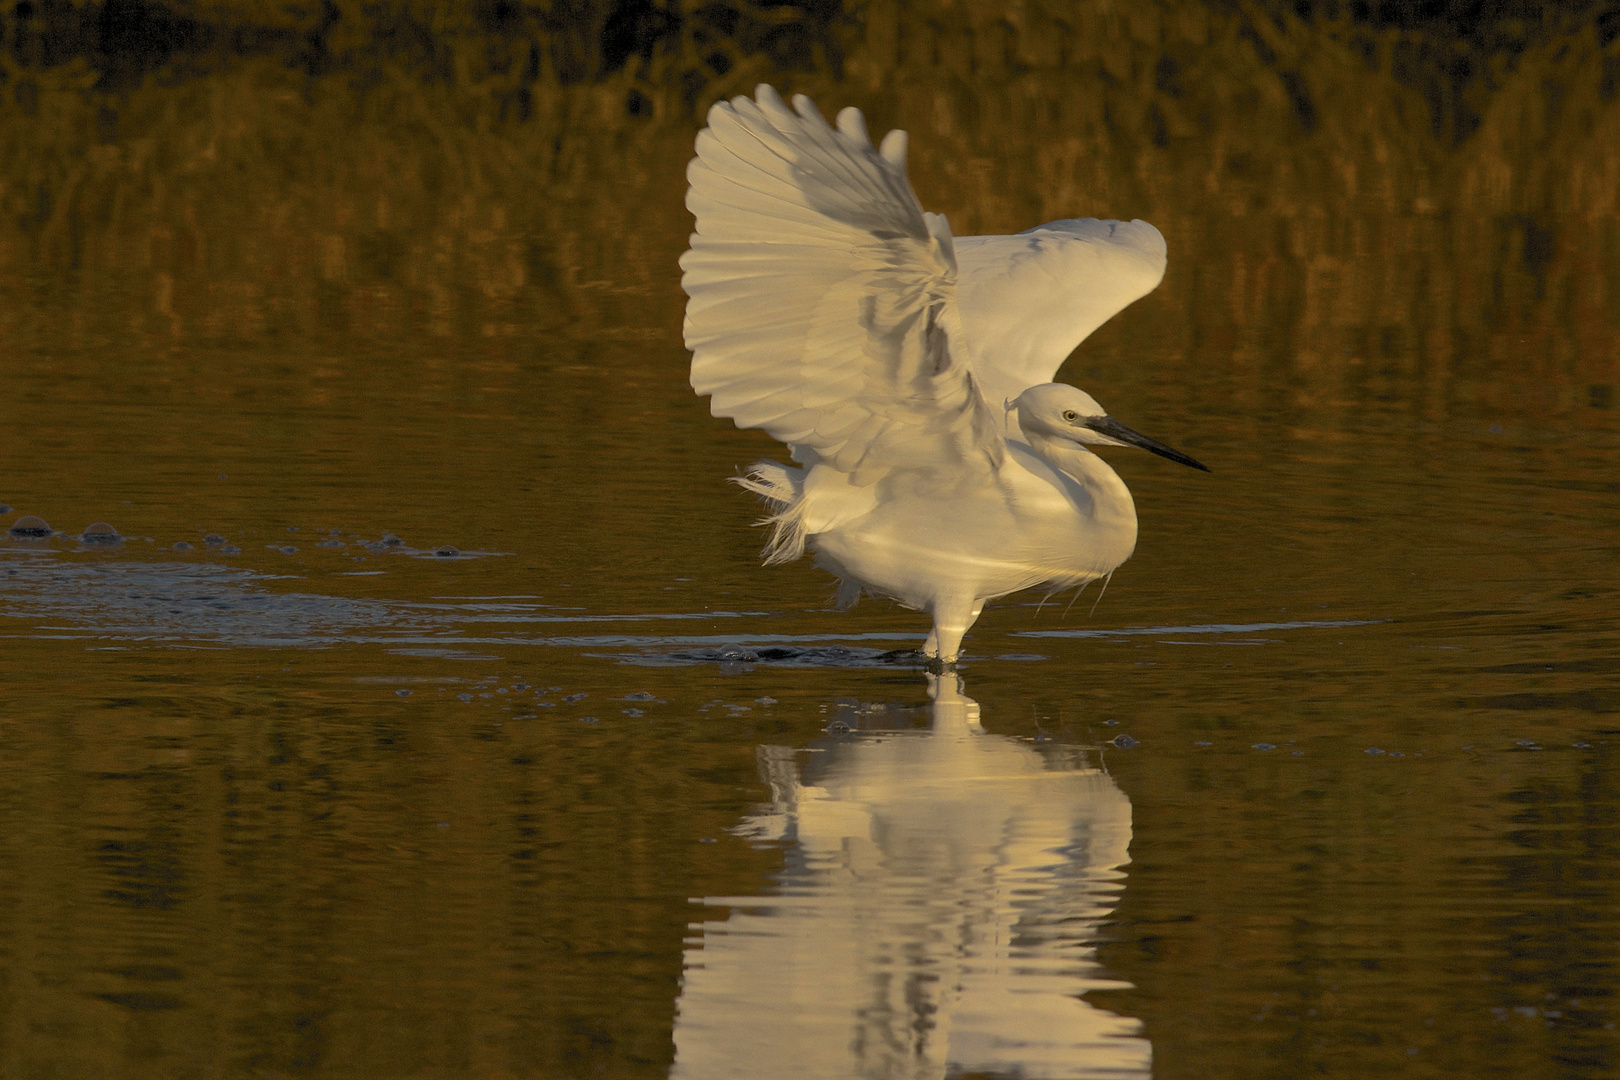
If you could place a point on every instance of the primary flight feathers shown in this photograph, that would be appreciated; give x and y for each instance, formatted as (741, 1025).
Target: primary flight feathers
(821, 305)
(829, 310)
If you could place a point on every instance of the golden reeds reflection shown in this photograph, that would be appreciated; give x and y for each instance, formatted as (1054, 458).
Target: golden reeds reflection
(937, 916)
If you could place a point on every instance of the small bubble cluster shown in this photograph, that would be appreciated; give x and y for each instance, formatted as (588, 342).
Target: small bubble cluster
(30, 527)
(100, 533)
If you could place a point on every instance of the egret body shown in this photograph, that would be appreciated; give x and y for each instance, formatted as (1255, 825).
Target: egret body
(908, 371)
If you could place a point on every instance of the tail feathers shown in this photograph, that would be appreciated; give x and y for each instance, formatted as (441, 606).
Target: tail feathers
(782, 488)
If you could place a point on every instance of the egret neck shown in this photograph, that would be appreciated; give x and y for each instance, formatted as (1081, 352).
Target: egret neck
(1111, 509)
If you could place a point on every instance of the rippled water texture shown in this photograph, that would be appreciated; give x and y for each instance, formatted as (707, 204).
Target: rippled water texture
(424, 712)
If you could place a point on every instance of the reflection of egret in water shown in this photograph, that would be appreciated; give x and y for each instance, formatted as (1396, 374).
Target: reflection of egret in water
(936, 917)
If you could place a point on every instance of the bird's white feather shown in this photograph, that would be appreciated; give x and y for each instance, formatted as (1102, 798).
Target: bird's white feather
(821, 297)
(1027, 300)
(829, 310)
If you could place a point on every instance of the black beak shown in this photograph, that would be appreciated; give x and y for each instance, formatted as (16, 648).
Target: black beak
(1107, 425)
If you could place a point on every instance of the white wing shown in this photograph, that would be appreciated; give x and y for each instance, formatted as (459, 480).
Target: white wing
(822, 298)
(1027, 300)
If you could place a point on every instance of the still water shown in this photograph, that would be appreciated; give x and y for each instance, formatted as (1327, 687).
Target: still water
(433, 718)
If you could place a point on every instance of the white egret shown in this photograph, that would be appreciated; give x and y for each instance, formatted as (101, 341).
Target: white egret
(908, 371)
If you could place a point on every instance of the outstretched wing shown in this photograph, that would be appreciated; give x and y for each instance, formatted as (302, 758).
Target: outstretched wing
(1027, 300)
(822, 298)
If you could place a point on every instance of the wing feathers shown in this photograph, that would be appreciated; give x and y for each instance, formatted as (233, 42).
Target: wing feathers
(852, 123)
(1040, 293)
(894, 147)
(822, 298)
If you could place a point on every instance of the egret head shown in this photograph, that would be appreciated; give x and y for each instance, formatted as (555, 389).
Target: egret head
(1061, 411)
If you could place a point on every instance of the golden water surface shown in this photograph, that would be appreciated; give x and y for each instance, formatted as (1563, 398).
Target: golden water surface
(1326, 784)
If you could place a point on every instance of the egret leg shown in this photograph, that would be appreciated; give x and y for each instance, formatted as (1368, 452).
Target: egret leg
(951, 622)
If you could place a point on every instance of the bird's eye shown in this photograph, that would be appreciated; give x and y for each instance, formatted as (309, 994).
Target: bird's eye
(1070, 415)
